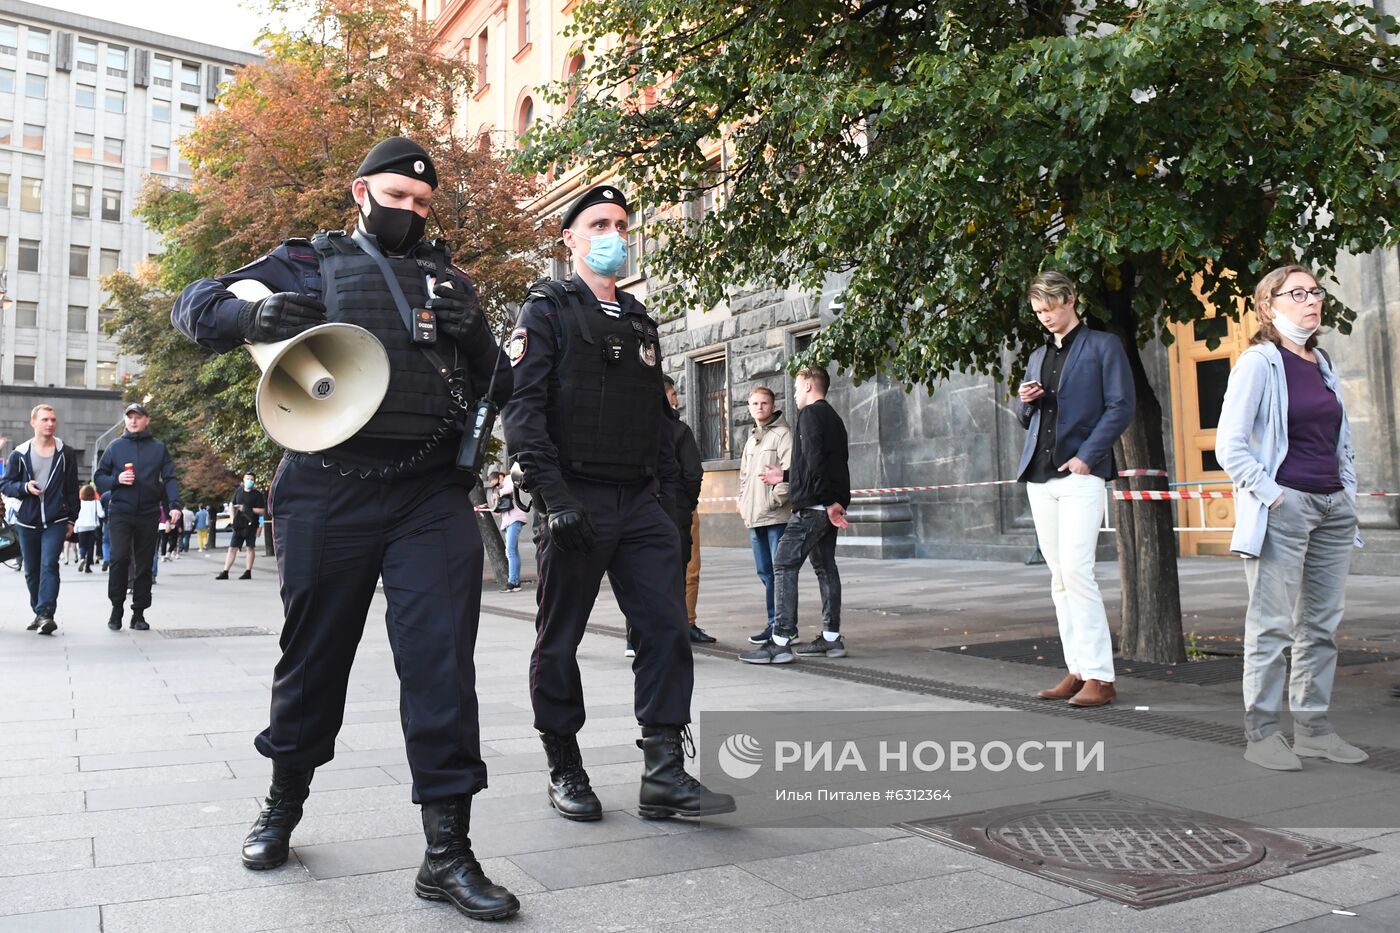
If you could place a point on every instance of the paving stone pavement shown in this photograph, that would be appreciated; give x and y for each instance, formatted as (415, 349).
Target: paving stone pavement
(128, 776)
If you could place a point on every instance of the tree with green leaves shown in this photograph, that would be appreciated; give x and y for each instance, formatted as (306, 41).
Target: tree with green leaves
(276, 161)
(1163, 153)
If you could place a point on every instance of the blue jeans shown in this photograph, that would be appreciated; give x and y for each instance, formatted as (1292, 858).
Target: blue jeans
(764, 540)
(41, 548)
(513, 552)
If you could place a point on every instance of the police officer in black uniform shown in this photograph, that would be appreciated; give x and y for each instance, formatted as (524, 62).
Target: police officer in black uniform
(588, 426)
(386, 503)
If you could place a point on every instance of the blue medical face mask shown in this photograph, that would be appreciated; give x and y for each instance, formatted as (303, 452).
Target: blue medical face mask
(248, 484)
(608, 253)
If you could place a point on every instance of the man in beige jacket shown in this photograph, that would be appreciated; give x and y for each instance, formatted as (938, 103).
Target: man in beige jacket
(764, 508)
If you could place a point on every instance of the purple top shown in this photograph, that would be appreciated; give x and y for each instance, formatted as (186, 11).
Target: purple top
(1314, 420)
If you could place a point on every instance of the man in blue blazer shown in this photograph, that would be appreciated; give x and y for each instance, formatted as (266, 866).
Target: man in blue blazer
(1077, 398)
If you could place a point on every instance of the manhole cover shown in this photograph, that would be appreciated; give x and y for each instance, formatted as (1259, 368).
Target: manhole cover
(212, 632)
(1134, 851)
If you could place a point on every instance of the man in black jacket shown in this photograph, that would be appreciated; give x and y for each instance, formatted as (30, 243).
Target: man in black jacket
(139, 473)
(683, 499)
(819, 492)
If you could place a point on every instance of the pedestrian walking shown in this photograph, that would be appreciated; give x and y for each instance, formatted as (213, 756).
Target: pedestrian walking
(588, 426)
(88, 526)
(513, 519)
(1284, 440)
(819, 487)
(249, 507)
(174, 531)
(387, 503)
(201, 527)
(137, 470)
(764, 508)
(1076, 400)
(42, 474)
(186, 529)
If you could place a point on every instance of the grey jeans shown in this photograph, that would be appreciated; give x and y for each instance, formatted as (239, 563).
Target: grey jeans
(1297, 588)
(808, 532)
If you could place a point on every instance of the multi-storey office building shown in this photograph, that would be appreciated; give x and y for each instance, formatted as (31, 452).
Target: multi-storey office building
(88, 109)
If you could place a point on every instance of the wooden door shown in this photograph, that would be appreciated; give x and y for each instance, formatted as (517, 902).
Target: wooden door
(1199, 373)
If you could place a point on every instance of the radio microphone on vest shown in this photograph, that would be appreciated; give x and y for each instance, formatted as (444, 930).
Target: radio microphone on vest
(481, 419)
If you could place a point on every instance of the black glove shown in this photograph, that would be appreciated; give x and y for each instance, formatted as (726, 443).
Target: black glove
(280, 317)
(571, 529)
(458, 312)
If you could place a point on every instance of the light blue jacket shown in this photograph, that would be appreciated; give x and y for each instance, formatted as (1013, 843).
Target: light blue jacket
(1251, 440)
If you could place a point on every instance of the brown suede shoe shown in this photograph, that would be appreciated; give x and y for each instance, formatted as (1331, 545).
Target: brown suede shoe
(1066, 689)
(1095, 693)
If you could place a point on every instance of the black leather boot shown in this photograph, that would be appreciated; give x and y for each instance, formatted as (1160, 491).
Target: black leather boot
(569, 790)
(269, 840)
(450, 871)
(667, 788)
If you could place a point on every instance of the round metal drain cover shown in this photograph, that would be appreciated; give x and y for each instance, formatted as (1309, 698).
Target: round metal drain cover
(1126, 841)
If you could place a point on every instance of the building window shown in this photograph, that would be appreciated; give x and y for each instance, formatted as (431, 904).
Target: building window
(106, 375)
(9, 38)
(82, 201)
(4, 195)
(162, 71)
(189, 77)
(77, 318)
(7, 80)
(524, 23)
(116, 61)
(24, 370)
(112, 150)
(109, 261)
(87, 55)
(160, 111)
(115, 102)
(524, 118)
(33, 136)
(7, 130)
(187, 114)
(800, 342)
(85, 97)
(4, 252)
(26, 314)
(31, 194)
(111, 204)
(482, 60)
(160, 158)
(38, 45)
(36, 86)
(75, 373)
(78, 261)
(710, 389)
(634, 245)
(571, 70)
(29, 255)
(82, 145)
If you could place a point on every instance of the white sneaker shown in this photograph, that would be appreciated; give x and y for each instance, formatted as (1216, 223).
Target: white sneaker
(1331, 746)
(1273, 753)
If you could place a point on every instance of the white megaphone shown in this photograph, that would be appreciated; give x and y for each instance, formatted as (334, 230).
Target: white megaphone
(321, 386)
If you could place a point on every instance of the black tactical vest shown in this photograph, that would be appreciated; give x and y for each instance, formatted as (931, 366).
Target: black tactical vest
(355, 292)
(608, 421)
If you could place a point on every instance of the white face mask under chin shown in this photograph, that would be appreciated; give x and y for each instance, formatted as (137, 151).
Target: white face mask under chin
(1293, 332)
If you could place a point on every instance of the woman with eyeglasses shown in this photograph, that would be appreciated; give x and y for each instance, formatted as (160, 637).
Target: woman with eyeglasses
(1284, 440)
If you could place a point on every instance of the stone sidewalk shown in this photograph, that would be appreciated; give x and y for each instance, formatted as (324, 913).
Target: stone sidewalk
(128, 777)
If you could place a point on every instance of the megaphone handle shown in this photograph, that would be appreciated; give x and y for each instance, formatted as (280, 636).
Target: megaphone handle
(306, 370)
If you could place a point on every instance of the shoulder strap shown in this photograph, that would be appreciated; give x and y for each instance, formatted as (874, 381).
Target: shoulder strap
(329, 242)
(564, 297)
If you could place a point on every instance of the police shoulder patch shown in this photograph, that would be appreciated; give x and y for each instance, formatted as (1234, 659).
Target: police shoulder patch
(515, 346)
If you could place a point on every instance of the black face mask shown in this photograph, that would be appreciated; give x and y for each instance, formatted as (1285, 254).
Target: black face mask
(396, 229)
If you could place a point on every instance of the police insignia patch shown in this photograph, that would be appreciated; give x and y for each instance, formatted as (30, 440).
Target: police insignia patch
(647, 352)
(515, 347)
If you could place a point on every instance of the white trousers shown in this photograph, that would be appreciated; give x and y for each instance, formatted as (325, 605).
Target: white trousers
(1068, 513)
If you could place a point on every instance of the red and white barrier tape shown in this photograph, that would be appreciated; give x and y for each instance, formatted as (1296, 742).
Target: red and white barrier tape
(1154, 496)
(1141, 495)
(888, 489)
(1142, 472)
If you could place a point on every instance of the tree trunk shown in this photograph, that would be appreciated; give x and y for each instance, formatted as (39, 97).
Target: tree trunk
(491, 540)
(1150, 627)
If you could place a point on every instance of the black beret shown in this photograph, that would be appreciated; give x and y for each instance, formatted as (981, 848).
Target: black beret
(602, 194)
(401, 156)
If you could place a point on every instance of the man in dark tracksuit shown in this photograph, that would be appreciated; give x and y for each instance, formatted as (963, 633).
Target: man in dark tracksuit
(819, 491)
(683, 496)
(387, 503)
(588, 426)
(137, 470)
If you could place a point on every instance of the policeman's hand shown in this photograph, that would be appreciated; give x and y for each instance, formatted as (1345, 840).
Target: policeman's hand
(571, 530)
(280, 317)
(458, 312)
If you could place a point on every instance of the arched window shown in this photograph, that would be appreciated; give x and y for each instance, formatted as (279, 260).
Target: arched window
(524, 116)
(572, 67)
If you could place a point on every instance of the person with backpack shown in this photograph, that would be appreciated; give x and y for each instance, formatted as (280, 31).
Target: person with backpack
(43, 475)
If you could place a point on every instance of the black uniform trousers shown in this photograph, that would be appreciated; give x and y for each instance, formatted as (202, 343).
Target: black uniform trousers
(336, 536)
(639, 549)
(133, 539)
